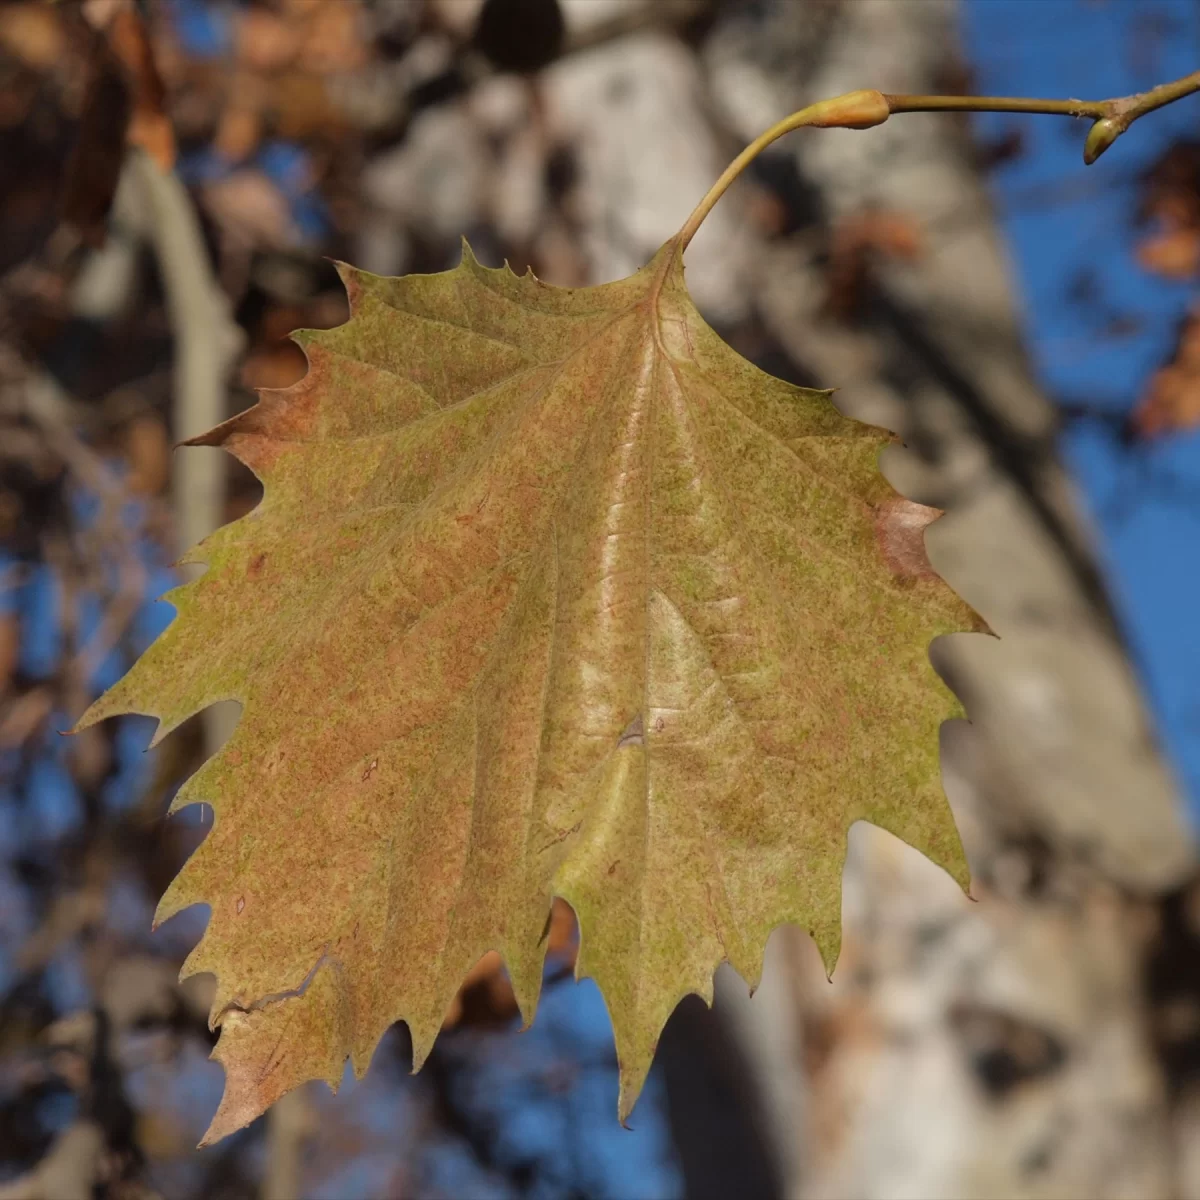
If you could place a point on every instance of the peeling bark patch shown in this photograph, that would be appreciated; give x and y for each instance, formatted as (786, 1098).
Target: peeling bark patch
(1005, 1051)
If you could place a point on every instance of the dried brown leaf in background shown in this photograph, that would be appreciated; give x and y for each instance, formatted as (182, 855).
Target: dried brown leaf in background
(95, 162)
(1170, 203)
(149, 126)
(1172, 398)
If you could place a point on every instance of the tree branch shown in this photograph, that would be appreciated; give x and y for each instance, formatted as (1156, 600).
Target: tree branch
(866, 108)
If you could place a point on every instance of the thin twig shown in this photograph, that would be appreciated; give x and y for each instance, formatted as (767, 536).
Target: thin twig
(866, 108)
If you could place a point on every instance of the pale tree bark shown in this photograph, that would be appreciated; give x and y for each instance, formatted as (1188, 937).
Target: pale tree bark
(207, 341)
(998, 1048)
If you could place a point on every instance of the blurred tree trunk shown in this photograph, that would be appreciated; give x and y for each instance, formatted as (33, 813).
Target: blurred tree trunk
(964, 1050)
(720, 1122)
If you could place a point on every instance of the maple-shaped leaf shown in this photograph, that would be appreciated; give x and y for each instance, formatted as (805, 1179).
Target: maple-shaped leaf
(550, 594)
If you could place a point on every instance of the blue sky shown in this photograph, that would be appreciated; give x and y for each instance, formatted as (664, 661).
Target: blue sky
(1060, 217)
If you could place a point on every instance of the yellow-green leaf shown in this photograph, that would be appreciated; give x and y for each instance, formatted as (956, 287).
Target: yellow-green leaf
(550, 593)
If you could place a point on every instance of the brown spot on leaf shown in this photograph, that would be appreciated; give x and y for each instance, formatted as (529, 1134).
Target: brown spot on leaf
(258, 435)
(633, 734)
(900, 534)
(255, 569)
(370, 769)
(241, 904)
(467, 518)
(350, 281)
